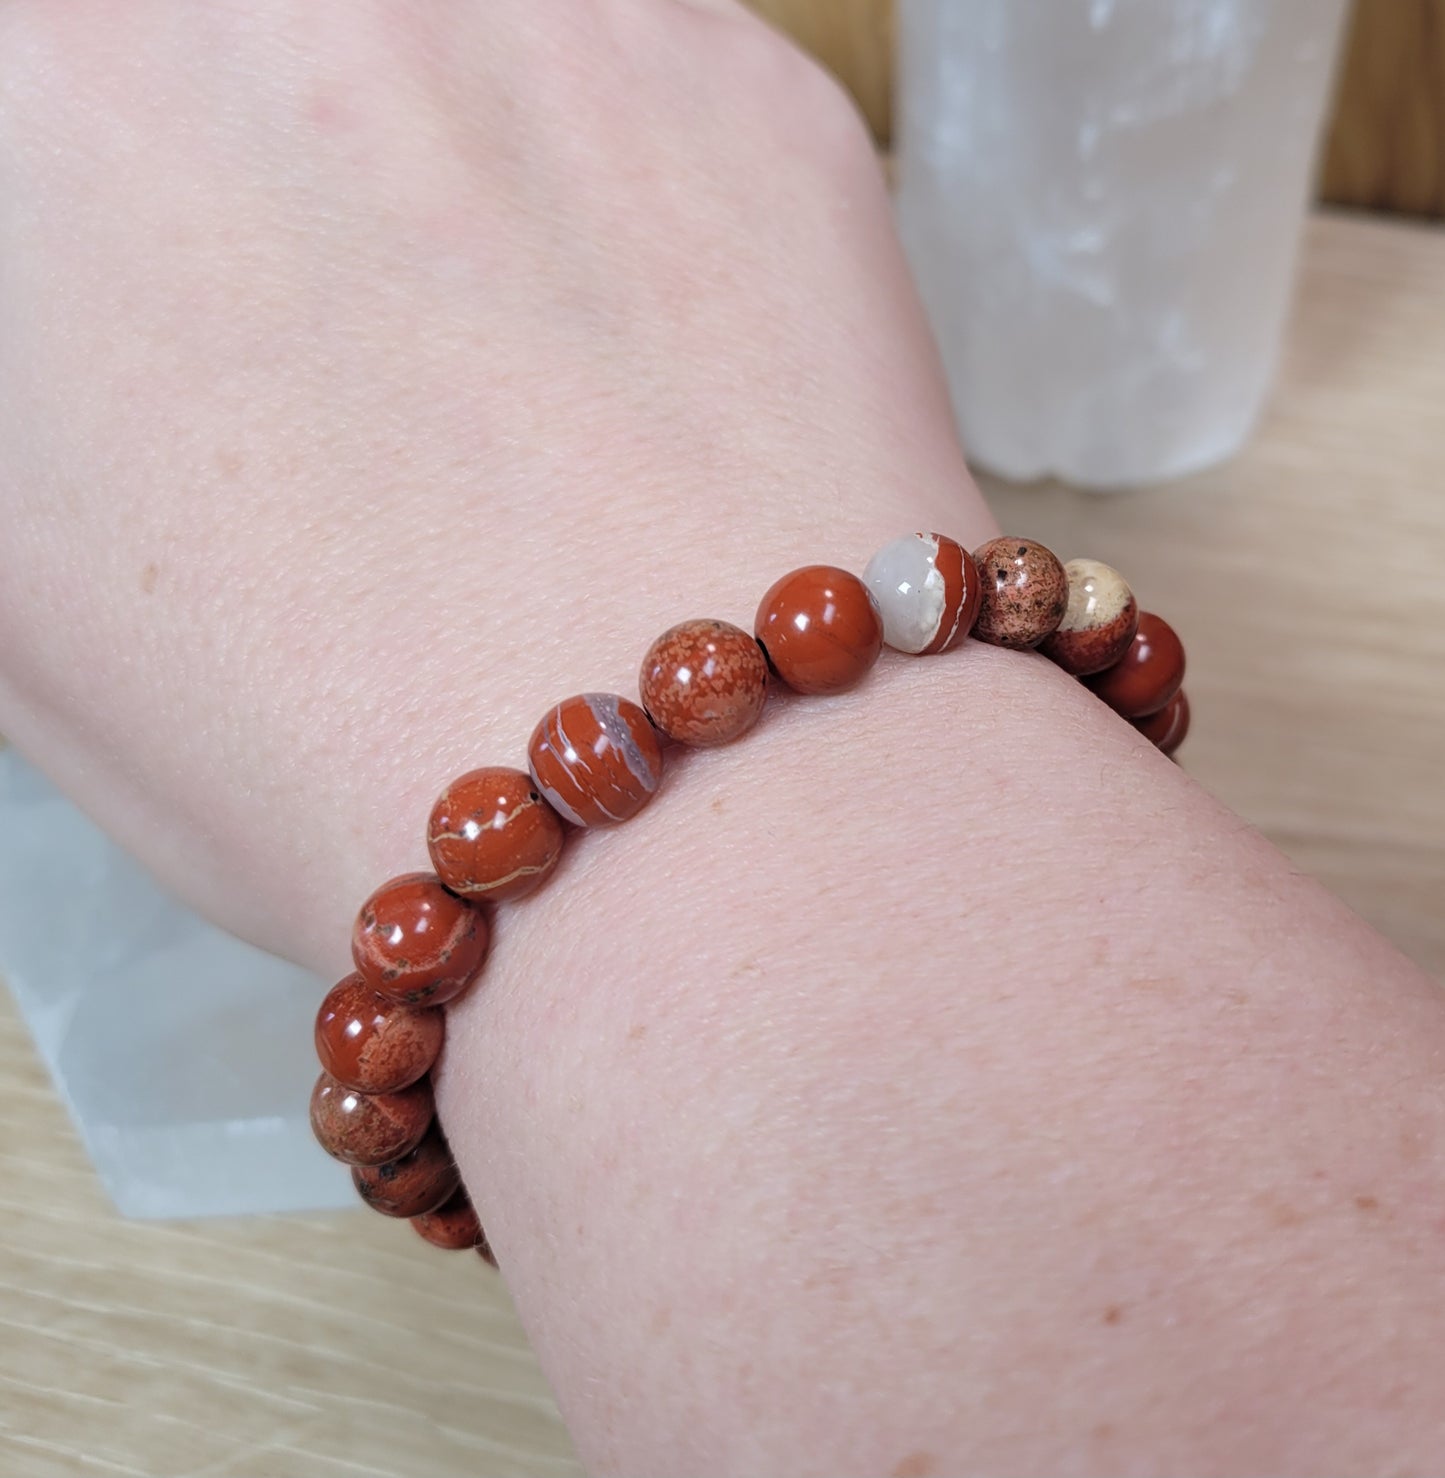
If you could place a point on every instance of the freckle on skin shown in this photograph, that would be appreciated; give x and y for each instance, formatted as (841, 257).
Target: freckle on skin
(1367, 1203)
(638, 1032)
(1154, 983)
(915, 1465)
(148, 577)
(1113, 1314)
(1281, 1213)
(717, 805)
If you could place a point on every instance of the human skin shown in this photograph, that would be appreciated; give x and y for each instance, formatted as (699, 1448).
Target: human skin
(936, 1081)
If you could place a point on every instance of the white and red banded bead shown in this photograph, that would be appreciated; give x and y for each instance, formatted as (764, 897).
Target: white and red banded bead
(596, 759)
(927, 590)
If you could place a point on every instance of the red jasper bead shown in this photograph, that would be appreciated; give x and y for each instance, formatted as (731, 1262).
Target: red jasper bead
(1168, 728)
(703, 683)
(415, 943)
(820, 628)
(493, 836)
(369, 1128)
(375, 1045)
(1148, 675)
(1025, 593)
(453, 1226)
(596, 759)
(412, 1185)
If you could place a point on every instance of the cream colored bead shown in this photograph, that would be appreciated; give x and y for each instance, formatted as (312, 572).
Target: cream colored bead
(1099, 619)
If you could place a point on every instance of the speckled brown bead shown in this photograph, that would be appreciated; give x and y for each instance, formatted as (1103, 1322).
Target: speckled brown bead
(416, 943)
(820, 629)
(1148, 675)
(1099, 620)
(703, 683)
(366, 1128)
(375, 1045)
(1025, 593)
(596, 759)
(1168, 728)
(412, 1185)
(453, 1226)
(492, 835)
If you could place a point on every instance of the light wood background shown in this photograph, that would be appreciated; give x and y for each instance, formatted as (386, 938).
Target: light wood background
(1306, 579)
(1384, 148)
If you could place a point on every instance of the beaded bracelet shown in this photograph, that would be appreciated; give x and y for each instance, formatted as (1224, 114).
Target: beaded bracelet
(596, 759)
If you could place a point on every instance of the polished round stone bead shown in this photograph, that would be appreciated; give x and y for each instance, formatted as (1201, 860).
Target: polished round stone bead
(596, 759)
(1099, 620)
(412, 1185)
(369, 1128)
(820, 629)
(452, 1226)
(1148, 675)
(927, 591)
(492, 835)
(1025, 593)
(375, 1045)
(1168, 728)
(415, 943)
(703, 683)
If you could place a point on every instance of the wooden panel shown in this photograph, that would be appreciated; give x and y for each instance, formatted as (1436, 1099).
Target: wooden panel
(1386, 144)
(852, 37)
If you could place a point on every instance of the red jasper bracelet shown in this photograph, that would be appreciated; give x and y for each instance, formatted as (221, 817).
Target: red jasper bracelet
(597, 759)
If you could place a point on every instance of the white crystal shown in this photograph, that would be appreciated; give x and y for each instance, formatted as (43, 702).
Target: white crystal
(1102, 201)
(184, 1055)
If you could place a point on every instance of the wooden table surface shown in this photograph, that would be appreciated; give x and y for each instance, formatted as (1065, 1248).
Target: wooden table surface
(1308, 579)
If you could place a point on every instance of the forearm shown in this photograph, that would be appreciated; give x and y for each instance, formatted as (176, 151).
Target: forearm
(940, 1071)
